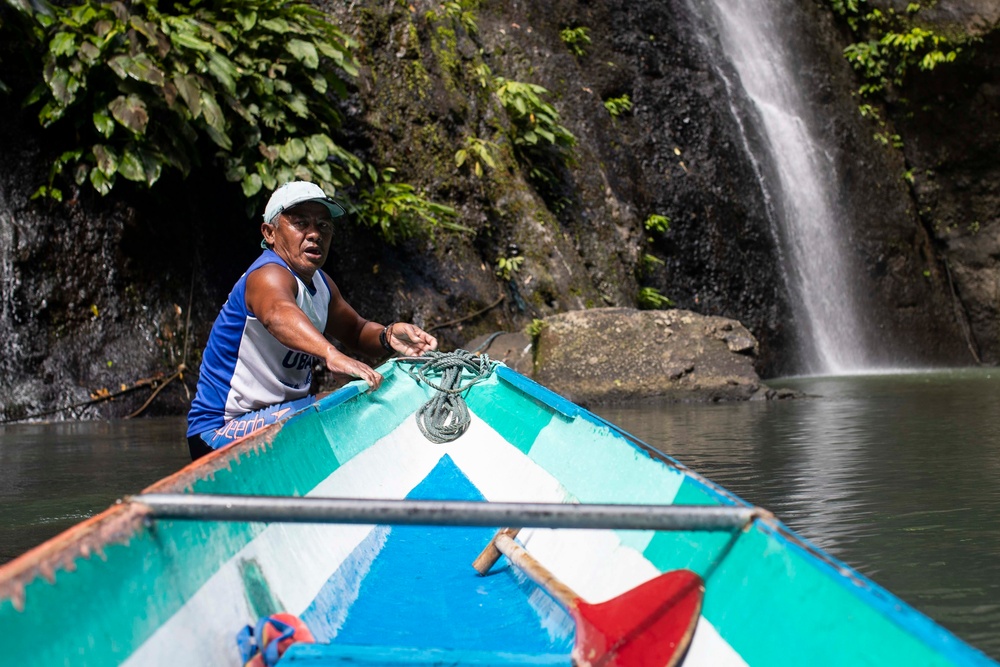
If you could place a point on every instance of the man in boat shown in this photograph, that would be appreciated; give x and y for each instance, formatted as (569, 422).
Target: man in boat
(278, 321)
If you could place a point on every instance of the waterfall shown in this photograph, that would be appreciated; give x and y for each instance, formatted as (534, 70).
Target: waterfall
(796, 172)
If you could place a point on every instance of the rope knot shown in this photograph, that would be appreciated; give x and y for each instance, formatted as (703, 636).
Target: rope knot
(446, 416)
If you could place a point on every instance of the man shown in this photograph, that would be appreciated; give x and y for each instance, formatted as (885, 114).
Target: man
(277, 321)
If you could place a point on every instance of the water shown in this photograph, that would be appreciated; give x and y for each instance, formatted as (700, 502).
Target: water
(893, 474)
(797, 175)
(53, 476)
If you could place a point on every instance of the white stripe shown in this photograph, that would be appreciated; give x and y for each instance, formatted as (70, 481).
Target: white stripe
(298, 559)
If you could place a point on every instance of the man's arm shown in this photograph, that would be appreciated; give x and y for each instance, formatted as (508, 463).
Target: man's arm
(270, 296)
(344, 324)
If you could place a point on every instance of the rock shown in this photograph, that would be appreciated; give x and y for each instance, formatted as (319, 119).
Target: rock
(616, 354)
(513, 349)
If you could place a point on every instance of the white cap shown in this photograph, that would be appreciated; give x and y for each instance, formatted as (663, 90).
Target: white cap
(298, 192)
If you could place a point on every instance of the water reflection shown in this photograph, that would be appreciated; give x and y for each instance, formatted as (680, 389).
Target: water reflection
(55, 475)
(894, 474)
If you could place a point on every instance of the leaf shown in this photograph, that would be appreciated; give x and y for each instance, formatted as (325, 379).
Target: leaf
(101, 182)
(187, 40)
(252, 184)
(107, 161)
(278, 25)
(322, 169)
(117, 65)
(220, 138)
(131, 166)
(62, 44)
(247, 20)
(316, 145)
(223, 70)
(292, 151)
(299, 105)
(35, 95)
(58, 85)
(151, 165)
(460, 157)
(103, 27)
(266, 176)
(131, 112)
(190, 91)
(269, 152)
(80, 173)
(319, 84)
(141, 68)
(104, 124)
(304, 52)
(89, 51)
(212, 112)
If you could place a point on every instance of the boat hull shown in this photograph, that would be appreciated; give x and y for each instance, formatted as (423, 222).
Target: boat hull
(124, 588)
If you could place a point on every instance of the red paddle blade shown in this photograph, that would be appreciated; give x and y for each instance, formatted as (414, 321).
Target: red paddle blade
(652, 624)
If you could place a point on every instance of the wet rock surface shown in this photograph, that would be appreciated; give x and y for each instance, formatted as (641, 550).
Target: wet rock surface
(95, 280)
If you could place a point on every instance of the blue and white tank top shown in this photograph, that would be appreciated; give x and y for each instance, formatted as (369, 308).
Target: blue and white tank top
(244, 368)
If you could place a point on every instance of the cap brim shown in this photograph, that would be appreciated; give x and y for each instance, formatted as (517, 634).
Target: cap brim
(336, 210)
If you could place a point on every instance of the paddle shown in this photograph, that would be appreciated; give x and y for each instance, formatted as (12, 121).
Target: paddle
(651, 624)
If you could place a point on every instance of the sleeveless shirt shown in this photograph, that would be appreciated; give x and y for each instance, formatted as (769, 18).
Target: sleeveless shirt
(244, 368)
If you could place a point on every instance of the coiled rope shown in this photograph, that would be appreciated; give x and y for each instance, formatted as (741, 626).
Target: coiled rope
(446, 417)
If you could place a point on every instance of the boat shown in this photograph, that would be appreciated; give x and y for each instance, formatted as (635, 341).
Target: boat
(359, 518)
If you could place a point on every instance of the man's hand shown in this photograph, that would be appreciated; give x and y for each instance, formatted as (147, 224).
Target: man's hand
(342, 365)
(410, 340)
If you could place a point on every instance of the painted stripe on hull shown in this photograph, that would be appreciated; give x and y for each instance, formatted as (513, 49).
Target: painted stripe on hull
(389, 469)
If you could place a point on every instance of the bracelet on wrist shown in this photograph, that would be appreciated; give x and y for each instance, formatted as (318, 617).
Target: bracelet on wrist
(383, 338)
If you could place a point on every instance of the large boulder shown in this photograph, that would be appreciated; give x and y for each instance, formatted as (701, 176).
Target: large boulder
(615, 354)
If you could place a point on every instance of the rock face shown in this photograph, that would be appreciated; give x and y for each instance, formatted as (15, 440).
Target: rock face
(950, 130)
(96, 280)
(618, 354)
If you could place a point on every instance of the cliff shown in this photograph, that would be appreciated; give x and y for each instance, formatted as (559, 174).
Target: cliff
(99, 292)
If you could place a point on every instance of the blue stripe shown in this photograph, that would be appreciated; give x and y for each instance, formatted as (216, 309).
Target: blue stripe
(420, 590)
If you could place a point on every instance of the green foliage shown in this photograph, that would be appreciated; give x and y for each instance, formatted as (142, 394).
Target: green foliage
(648, 263)
(657, 223)
(616, 106)
(508, 266)
(535, 122)
(477, 152)
(146, 85)
(397, 212)
(892, 44)
(483, 75)
(844, 7)
(460, 13)
(540, 142)
(534, 329)
(650, 298)
(575, 39)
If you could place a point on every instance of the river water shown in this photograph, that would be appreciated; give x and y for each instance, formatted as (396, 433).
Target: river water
(893, 474)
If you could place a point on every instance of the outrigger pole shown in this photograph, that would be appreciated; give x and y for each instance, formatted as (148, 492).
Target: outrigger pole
(284, 509)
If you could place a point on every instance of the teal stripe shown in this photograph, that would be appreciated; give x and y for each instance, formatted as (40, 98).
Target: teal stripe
(598, 466)
(101, 612)
(517, 417)
(811, 613)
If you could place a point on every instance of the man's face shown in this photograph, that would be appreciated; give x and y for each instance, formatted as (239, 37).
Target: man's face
(301, 237)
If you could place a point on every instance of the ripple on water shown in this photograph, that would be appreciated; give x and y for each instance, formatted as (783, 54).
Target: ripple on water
(893, 474)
